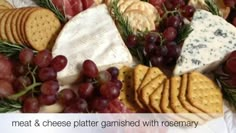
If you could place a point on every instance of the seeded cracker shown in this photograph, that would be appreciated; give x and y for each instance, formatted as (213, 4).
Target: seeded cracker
(41, 27)
(127, 91)
(204, 94)
(150, 88)
(184, 101)
(139, 74)
(155, 99)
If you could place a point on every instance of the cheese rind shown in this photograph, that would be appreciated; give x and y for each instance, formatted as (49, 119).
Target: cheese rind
(92, 35)
(211, 40)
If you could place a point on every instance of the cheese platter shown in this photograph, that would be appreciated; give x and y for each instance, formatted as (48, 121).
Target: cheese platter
(118, 56)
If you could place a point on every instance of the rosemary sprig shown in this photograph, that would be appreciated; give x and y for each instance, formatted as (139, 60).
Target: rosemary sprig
(7, 105)
(11, 50)
(49, 5)
(212, 7)
(184, 32)
(123, 23)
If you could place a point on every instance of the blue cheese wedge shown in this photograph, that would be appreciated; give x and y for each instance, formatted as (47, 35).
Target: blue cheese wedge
(211, 40)
(92, 35)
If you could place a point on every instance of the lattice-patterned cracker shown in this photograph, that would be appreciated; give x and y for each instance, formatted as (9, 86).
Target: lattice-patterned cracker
(150, 88)
(155, 99)
(165, 100)
(204, 94)
(139, 74)
(127, 91)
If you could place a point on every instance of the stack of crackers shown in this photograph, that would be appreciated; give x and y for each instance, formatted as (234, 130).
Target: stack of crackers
(147, 88)
(32, 26)
(141, 15)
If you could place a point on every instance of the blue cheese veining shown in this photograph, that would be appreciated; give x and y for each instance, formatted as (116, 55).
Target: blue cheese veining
(211, 40)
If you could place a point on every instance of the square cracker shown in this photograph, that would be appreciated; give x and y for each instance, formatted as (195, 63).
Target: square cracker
(165, 100)
(184, 101)
(127, 91)
(139, 73)
(204, 94)
(155, 99)
(150, 88)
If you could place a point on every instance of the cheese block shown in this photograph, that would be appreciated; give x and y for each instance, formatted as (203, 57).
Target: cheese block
(93, 35)
(211, 40)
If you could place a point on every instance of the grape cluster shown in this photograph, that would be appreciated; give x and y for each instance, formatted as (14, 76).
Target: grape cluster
(162, 47)
(229, 68)
(35, 79)
(230, 3)
(96, 91)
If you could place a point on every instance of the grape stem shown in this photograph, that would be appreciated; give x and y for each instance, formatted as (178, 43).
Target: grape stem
(21, 93)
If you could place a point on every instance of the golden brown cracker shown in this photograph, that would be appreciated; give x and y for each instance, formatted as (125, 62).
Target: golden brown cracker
(184, 101)
(127, 90)
(147, 90)
(3, 7)
(8, 27)
(165, 99)
(41, 27)
(139, 74)
(155, 99)
(3, 35)
(22, 11)
(14, 26)
(6, 4)
(204, 94)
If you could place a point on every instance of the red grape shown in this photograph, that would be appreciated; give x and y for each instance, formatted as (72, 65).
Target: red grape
(157, 61)
(160, 51)
(152, 37)
(156, 2)
(131, 41)
(43, 58)
(109, 90)
(59, 63)
(90, 69)
(232, 54)
(188, 11)
(47, 99)
(21, 83)
(30, 105)
(150, 49)
(6, 69)
(234, 21)
(20, 69)
(229, 3)
(116, 106)
(173, 21)
(66, 96)
(104, 76)
(99, 103)
(118, 83)
(170, 33)
(114, 71)
(79, 106)
(6, 89)
(49, 87)
(173, 51)
(47, 73)
(169, 5)
(85, 90)
(106, 110)
(178, 3)
(26, 55)
(230, 66)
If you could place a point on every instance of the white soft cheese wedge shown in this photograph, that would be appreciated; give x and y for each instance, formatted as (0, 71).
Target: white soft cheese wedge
(211, 40)
(92, 35)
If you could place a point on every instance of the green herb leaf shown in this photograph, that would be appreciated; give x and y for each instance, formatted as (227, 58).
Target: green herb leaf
(184, 32)
(49, 5)
(10, 49)
(7, 105)
(212, 7)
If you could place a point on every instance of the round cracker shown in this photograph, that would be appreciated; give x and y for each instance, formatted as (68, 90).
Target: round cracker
(8, 29)
(3, 7)
(139, 21)
(148, 9)
(3, 35)
(124, 5)
(23, 20)
(14, 25)
(18, 23)
(6, 4)
(41, 27)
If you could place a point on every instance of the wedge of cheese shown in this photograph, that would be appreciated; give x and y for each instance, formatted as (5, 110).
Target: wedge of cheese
(211, 40)
(93, 35)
